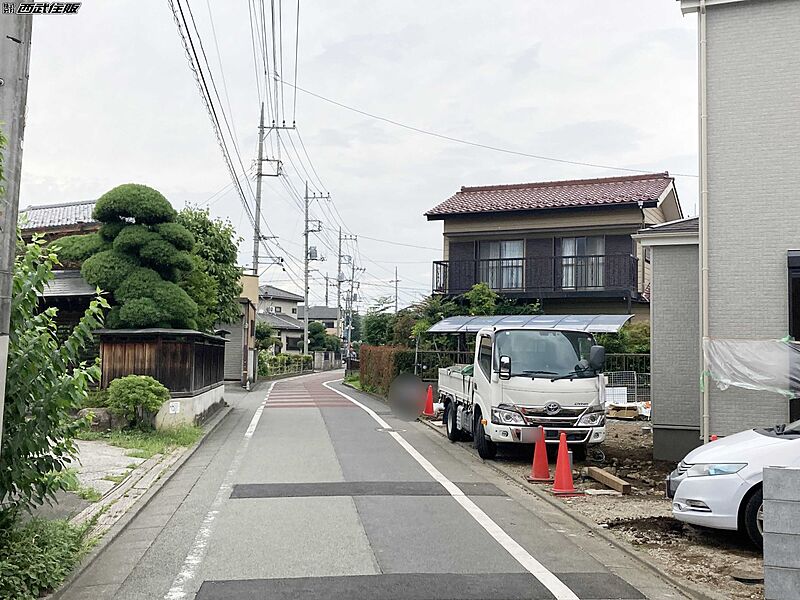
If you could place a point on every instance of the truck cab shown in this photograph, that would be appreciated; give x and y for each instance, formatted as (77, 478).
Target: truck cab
(523, 377)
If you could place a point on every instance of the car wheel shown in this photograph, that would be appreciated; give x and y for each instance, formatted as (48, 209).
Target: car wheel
(487, 449)
(754, 518)
(450, 413)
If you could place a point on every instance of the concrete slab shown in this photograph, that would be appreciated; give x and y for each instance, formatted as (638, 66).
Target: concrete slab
(288, 537)
(358, 488)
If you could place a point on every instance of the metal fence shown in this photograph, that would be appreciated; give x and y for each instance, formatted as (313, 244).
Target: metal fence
(627, 386)
(430, 361)
(639, 363)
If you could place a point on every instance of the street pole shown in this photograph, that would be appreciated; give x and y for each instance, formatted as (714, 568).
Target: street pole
(305, 274)
(259, 174)
(339, 291)
(15, 57)
(326, 290)
(396, 281)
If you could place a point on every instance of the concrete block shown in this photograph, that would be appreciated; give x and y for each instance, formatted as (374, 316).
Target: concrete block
(781, 516)
(781, 584)
(782, 550)
(189, 410)
(782, 483)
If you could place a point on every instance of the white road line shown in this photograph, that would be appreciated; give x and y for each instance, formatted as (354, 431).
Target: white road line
(528, 562)
(197, 552)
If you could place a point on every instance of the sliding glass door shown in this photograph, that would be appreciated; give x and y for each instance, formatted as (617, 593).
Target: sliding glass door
(582, 262)
(500, 264)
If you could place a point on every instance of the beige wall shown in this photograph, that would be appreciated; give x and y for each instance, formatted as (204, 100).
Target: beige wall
(249, 285)
(287, 307)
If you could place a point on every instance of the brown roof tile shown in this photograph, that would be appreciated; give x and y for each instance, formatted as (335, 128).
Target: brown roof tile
(575, 193)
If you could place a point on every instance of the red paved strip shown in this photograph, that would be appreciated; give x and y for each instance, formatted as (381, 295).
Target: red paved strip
(309, 405)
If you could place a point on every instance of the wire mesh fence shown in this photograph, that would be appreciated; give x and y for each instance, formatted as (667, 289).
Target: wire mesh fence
(639, 363)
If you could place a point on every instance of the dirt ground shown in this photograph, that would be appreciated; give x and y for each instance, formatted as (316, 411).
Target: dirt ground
(706, 557)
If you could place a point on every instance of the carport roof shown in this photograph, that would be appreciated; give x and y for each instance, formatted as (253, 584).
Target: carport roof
(588, 323)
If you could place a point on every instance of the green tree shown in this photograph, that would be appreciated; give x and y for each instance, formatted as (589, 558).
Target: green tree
(265, 336)
(45, 385)
(403, 328)
(633, 338)
(481, 300)
(319, 339)
(140, 256)
(216, 249)
(378, 323)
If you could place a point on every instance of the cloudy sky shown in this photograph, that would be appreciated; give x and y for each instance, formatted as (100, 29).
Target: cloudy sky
(112, 100)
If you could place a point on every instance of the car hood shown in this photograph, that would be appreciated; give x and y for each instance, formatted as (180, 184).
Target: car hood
(747, 447)
(524, 391)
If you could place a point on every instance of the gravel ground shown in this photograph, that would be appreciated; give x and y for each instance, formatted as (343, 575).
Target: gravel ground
(706, 557)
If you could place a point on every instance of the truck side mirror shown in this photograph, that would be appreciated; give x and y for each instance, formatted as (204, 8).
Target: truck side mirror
(505, 367)
(597, 358)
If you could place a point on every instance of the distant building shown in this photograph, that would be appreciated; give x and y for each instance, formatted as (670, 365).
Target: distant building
(241, 353)
(275, 300)
(58, 220)
(567, 244)
(327, 315)
(288, 329)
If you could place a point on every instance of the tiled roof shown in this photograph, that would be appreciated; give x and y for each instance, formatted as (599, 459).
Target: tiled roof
(67, 283)
(319, 312)
(281, 322)
(575, 193)
(690, 225)
(270, 291)
(57, 215)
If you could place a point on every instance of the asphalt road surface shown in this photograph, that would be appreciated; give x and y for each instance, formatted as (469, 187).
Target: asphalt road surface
(309, 489)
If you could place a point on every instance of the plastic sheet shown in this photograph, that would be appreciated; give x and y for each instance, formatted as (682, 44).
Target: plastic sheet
(762, 365)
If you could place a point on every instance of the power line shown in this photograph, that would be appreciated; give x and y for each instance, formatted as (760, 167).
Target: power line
(469, 142)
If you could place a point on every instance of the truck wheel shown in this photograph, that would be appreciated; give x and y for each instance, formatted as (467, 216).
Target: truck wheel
(754, 518)
(487, 449)
(453, 432)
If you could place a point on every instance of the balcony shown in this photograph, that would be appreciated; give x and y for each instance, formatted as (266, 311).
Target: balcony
(606, 275)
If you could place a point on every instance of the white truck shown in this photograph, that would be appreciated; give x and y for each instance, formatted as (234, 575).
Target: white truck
(527, 371)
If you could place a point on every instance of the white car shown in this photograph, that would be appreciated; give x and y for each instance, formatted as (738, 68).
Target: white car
(719, 485)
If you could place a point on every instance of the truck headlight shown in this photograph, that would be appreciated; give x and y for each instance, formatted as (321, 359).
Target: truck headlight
(703, 470)
(507, 417)
(595, 416)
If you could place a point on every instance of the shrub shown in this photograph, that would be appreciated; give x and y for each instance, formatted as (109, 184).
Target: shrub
(134, 201)
(379, 365)
(108, 269)
(109, 230)
(37, 556)
(177, 235)
(134, 397)
(137, 284)
(77, 248)
(96, 399)
(131, 238)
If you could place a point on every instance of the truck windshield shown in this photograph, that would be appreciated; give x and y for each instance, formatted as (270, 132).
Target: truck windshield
(542, 353)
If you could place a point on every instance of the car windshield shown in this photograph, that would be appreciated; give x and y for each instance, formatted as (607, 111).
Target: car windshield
(543, 353)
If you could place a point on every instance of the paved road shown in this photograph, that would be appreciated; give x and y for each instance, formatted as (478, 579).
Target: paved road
(311, 490)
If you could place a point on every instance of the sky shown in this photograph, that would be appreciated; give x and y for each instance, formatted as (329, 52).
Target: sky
(112, 100)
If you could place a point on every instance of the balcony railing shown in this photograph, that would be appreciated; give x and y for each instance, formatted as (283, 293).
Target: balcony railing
(546, 275)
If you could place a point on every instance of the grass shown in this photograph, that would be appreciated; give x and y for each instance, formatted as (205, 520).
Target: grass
(36, 556)
(144, 444)
(353, 380)
(88, 493)
(116, 478)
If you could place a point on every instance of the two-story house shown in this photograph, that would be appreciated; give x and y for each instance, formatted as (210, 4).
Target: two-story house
(567, 244)
(272, 299)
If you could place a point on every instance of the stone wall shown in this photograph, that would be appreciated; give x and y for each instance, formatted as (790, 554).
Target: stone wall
(781, 533)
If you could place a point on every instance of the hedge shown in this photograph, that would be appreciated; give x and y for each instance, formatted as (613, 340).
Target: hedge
(379, 365)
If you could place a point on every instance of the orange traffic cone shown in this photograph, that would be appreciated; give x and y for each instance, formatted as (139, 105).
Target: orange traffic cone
(428, 412)
(563, 486)
(714, 437)
(540, 469)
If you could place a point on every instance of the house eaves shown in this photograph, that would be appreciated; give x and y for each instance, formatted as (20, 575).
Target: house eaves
(690, 6)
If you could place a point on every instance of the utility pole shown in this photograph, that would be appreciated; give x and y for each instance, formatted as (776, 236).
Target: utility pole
(326, 290)
(351, 298)
(340, 278)
(15, 58)
(308, 257)
(395, 281)
(259, 174)
(305, 273)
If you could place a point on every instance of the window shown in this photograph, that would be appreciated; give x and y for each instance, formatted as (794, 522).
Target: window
(582, 262)
(294, 310)
(292, 343)
(551, 353)
(500, 264)
(278, 309)
(485, 356)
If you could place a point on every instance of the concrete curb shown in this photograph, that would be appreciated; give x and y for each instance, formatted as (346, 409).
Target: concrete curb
(117, 528)
(621, 545)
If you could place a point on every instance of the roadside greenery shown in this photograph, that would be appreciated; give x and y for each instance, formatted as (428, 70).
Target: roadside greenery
(36, 556)
(320, 340)
(270, 365)
(136, 398)
(46, 384)
(265, 336)
(634, 338)
(147, 443)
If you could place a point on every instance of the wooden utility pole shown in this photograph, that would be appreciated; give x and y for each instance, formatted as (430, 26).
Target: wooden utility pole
(305, 272)
(15, 58)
